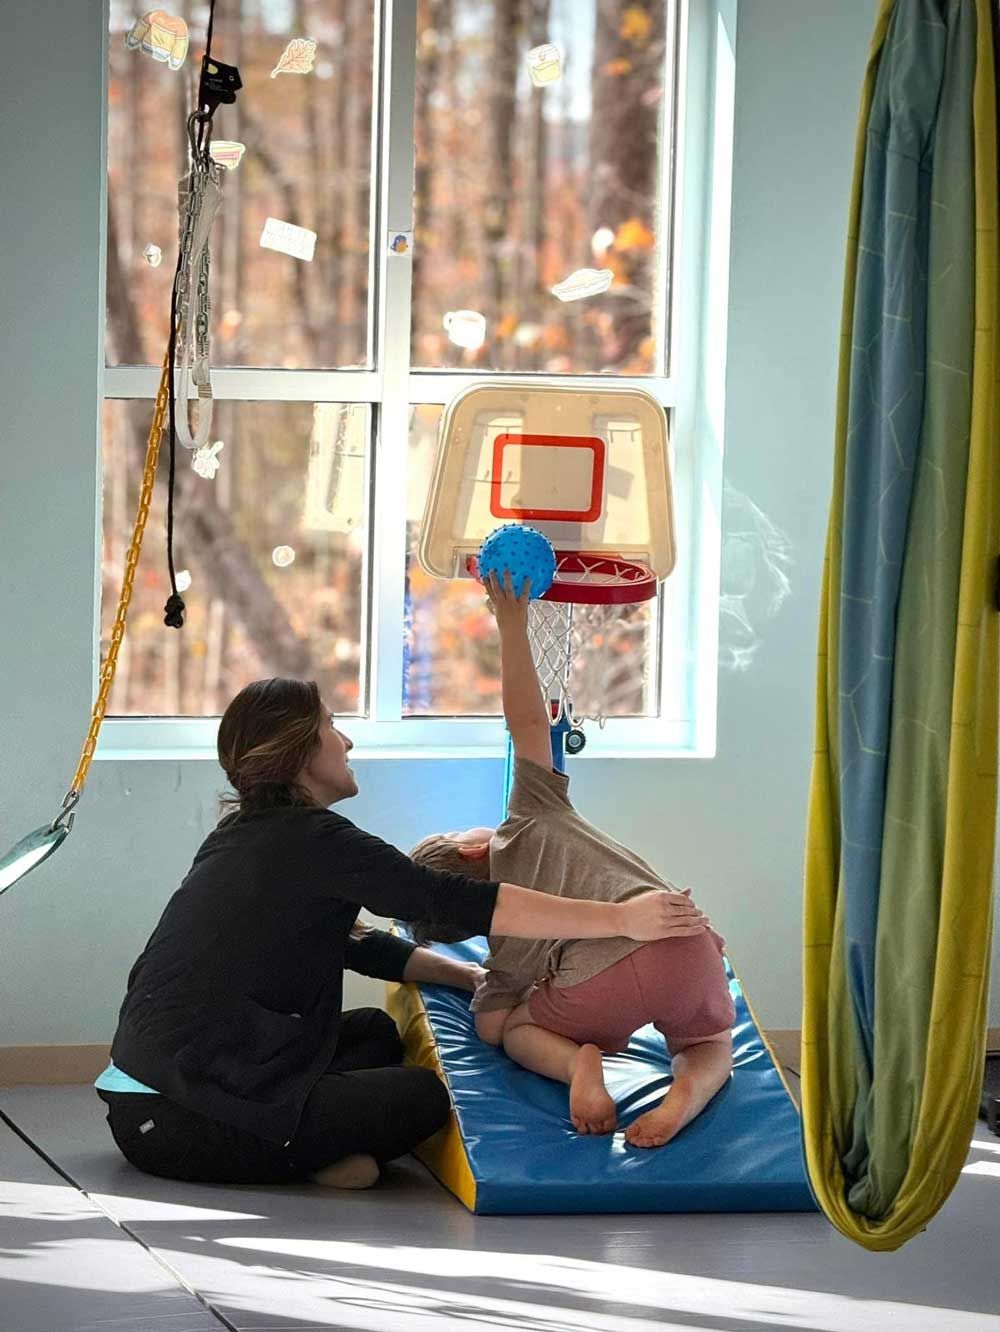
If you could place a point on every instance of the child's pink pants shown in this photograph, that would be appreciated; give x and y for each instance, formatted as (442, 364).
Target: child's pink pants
(679, 985)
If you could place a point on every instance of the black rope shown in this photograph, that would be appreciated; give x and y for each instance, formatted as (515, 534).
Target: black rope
(173, 611)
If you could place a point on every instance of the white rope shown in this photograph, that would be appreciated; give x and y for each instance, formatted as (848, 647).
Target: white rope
(198, 197)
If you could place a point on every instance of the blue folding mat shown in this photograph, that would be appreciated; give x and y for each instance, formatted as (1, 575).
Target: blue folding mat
(511, 1148)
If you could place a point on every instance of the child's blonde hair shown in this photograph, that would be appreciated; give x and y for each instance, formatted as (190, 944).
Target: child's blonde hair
(438, 852)
(443, 853)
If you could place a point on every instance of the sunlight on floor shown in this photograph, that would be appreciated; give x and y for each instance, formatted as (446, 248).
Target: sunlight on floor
(150, 1209)
(81, 1263)
(41, 1202)
(609, 1285)
(52, 1202)
(982, 1168)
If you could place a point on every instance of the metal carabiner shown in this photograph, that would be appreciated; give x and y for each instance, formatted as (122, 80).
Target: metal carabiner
(65, 817)
(194, 123)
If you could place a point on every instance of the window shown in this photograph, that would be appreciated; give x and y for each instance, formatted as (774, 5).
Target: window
(308, 144)
(517, 185)
(276, 554)
(330, 375)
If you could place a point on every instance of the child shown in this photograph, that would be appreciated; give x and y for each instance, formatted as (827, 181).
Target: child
(555, 1006)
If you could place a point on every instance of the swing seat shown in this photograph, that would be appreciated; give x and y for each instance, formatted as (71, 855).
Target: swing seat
(510, 1147)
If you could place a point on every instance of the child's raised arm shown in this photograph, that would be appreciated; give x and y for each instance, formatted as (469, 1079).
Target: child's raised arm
(524, 709)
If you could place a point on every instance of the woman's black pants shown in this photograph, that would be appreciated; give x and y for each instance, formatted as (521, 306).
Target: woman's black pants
(366, 1102)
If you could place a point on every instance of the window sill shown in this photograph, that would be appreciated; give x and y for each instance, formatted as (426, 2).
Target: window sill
(176, 739)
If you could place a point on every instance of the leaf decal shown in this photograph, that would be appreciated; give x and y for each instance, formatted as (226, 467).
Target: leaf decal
(583, 283)
(298, 57)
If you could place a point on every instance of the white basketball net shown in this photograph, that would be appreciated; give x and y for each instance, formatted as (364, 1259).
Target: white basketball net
(559, 630)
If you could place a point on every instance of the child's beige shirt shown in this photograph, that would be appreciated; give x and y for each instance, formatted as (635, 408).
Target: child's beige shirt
(545, 844)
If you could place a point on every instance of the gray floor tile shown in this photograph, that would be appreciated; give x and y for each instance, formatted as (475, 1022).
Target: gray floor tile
(406, 1257)
(66, 1267)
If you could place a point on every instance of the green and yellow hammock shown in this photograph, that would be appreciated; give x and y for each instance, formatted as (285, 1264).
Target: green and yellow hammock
(903, 802)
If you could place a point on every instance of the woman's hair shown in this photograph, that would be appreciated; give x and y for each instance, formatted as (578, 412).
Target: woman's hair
(266, 737)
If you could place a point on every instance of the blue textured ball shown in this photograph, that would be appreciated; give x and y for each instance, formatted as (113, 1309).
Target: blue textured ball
(525, 551)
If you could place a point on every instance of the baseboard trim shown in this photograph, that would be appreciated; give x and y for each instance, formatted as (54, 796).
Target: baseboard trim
(59, 1065)
(51, 1065)
(784, 1041)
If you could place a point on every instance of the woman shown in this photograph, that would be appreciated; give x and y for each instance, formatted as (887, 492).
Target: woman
(233, 1062)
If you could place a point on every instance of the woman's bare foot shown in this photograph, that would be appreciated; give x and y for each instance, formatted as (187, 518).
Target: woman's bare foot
(350, 1172)
(590, 1107)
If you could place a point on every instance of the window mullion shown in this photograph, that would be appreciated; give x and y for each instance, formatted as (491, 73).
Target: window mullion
(230, 384)
(398, 67)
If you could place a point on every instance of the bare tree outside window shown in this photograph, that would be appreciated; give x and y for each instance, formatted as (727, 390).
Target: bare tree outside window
(519, 186)
(516, 187)
(308, 162)
(294, 474)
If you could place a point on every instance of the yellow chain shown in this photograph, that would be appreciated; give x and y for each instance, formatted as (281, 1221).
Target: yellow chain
(128, 577)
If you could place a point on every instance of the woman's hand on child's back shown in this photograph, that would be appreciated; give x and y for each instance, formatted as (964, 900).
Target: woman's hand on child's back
(475, 975)
(661, 915)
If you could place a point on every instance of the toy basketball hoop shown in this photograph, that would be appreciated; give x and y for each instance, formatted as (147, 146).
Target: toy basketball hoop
(587, 467)
(583, 579)
(584, 602)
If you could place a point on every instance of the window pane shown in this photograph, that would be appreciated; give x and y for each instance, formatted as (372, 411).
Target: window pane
(292, 475)
(308, 150)
(451, 661)
(520, 186)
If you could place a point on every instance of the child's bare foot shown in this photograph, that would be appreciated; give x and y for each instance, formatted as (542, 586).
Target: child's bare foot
(699, 1072)
(590, 1107)
(658, 1126)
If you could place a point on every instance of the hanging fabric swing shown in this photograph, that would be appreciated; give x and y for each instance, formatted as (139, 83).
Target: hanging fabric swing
(903, 800)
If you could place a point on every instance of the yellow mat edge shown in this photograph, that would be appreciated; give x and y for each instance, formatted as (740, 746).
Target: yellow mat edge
(443, 1154)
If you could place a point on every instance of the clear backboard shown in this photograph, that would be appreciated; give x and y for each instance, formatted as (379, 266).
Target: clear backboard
(586, 466)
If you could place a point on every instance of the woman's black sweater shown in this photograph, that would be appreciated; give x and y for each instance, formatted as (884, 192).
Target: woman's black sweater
(233, 1007)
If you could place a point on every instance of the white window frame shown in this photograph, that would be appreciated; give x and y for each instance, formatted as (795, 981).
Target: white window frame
(692, 394)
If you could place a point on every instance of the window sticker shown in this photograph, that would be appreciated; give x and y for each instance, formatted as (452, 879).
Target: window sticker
(206, 461)
(544, 64)
(602, 241)
(287, 238)
(160, 35)
(583, 283)
(226, 153)
(465, 328)
(298, 57)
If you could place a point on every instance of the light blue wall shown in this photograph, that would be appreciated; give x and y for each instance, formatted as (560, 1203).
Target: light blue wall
(732, 826)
